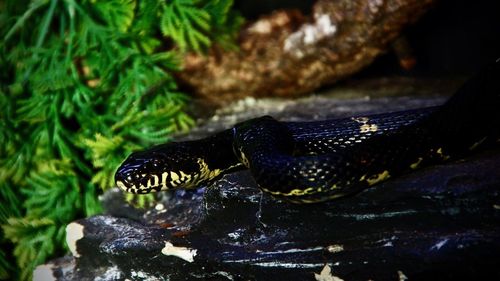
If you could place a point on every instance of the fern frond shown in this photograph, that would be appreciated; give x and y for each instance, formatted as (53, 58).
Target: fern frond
(219, 10)
(186, 24)
(116, 13)
(107, 154)
(5, 266)
(34, 239)
(17, 165)
(11, 206)
(45, 197)
(147, 14)
(85, 84)
(91, 204)
(33, 7)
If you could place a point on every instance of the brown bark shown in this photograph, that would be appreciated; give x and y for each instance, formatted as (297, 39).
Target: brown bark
(289, 54)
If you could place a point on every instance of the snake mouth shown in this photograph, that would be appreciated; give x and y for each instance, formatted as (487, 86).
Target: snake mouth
(138, 184)
(138, 181)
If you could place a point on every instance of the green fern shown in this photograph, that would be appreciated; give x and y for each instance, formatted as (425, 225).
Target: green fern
(186, 24)
(84, 83)
(118, 14)
(5, 266)
(225, 22)
(35, 240)
(42, 197)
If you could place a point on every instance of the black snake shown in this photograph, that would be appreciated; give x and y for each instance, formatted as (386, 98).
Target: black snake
(308, 162)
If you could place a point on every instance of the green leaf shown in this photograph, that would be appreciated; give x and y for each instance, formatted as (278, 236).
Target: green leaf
(147, 16)
(18, 164)
(10, 206)
(116, 13)
(226, 23)
(34, 5)
(34, 239)
(5, 266)
(53, 192)
(104, 151)
(186, 24)
(84, 83)
(219, 10)
(92, 206)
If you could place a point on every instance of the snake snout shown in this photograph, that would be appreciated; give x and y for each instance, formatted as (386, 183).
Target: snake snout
(126, 178)
(138, 175)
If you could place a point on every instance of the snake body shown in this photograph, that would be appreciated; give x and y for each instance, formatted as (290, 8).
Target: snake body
(306, 162)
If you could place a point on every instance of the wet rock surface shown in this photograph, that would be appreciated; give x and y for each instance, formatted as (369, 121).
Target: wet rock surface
(438, 223)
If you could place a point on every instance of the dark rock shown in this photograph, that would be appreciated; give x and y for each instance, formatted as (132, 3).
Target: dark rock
(437, 223)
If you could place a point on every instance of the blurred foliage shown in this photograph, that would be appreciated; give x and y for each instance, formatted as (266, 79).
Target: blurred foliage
(83, 84)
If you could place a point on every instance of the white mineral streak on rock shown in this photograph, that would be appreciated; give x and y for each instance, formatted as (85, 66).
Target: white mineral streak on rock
(277, 264)
(159, 207)
(44, 272)
(388, 244)
(326, 275)
(439, 244)
(74, 232)
(309, 34)
(143, 276)
(325, 25)
(402, 276)
(224, 274)
(292, 251)
(284, 264)
(336, 248)
(184, 253)
(112, 273)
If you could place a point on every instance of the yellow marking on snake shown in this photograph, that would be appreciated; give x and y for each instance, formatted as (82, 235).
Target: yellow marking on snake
(362, 120)
(294, 192)
(376, 178)
(440, 153)
(244, 159)
(416, 164)
(164, 177)
(475, 145)
(121, 185)
(183, 175)
(205, 171)
(302, 192)
(157, 180)
(174, 176)
(152, 184)
(366, 128)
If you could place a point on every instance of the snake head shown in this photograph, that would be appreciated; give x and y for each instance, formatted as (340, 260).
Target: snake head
(163, 167)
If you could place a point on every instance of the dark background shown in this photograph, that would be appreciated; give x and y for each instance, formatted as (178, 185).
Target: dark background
(455, 37)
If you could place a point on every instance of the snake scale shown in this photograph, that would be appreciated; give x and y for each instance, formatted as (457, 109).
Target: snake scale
(306, 162)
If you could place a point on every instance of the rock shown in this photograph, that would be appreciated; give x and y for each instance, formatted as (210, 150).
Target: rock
(438, 223)
(289, 54)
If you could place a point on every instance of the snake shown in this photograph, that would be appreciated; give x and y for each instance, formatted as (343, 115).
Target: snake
(309, 162)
